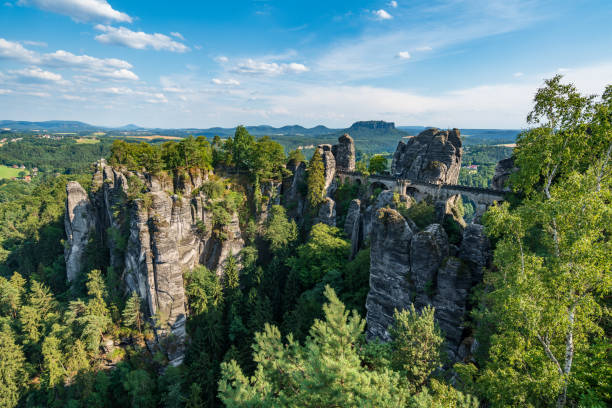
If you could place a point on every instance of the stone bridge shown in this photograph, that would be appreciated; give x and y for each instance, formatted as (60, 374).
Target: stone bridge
(481, 197)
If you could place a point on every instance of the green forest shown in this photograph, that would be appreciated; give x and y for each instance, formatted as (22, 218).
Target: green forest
(284, 324)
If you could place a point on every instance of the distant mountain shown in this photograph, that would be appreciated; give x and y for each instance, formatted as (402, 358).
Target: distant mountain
(56, 126)
(129, 127)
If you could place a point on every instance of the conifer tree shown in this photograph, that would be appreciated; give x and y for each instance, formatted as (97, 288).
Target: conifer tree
(132, 314)
(13, 376)
(316, 180)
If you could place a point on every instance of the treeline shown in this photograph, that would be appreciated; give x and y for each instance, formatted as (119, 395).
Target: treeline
(261, 158)
(63, 156)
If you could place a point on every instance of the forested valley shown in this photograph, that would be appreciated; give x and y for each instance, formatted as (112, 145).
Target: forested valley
(282, 322)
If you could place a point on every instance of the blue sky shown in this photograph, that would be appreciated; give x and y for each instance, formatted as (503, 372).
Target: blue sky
(443, 63)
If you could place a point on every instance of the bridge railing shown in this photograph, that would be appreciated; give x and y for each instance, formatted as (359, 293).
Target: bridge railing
(477, 190)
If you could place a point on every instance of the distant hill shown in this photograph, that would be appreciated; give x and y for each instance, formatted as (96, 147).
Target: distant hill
(56, 126)
(371, 136)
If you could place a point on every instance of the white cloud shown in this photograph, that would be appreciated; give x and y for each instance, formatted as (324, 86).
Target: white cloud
(80, 10)
(177, 35)
(99, 67)
(517, 74)
(251, 66)
(14, 50)
(137, 39)
(423, 48)
(5, 91)
(382, 15)
(222, 59)
(36, 75)
(393, 4)
(218, 81)
(403, 55)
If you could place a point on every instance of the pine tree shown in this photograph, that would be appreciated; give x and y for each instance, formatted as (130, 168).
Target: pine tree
(316, 180)
(132, 314)
(416, 346)
(326, 371)
(13, 376)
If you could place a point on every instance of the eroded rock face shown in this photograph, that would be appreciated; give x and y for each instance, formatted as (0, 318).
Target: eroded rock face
(420, 269)
(327, 212)
(344, 153)
(389, 271)
(503, 171)
(433, 156)
(353, 226)
(329, 163)
(168, 232)
(78, 222)
(294, 188)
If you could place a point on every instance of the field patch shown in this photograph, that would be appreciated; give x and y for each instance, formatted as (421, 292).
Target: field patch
(9, 172)
(87, 140)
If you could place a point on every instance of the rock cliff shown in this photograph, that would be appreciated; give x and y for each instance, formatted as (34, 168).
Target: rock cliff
(344, 153)
(433, 156)
(503, 171)
(409, 267)
(78, 223)
(156, 228)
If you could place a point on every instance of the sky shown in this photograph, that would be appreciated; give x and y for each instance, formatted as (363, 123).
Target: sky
(180, 64)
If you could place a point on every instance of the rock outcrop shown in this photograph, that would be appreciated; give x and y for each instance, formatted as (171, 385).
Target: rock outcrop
(344, 153)
(294, 190)
(389, 272)
(503, 171)
(329, 163)
(353, 226)
(155, 237)
(420, 269)
(327, 212)
(433, 156)
(78, 222)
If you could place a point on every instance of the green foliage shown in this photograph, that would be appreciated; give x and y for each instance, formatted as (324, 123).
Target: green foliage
(316, 180)
(296, 156)
(378, 164)
(326, 371)
(132, 313)
(280, 232)
(187, 154)
(64, 156)
(204, 289)
(422, 213)
(416, 345)
(325, 250)
(13, 375)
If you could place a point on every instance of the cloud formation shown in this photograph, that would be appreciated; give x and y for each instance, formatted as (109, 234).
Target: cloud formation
(230, 81)
(80, 10)
(138, 39)
(403, 55)
(95, 67)
(36, 75)
(251, 66)
(393, 4)
(382, 15)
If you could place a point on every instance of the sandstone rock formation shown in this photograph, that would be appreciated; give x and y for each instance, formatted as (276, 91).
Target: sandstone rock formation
(294, 189)
(327, 212)
(344, 153)
(503, 171)
(353, 226)
(389, 272)
(433, 156)
(329, 163)
(78, 222)
(420, 269)
(169, 231)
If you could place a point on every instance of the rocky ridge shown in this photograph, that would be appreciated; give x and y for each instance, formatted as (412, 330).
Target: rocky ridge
(169, 231)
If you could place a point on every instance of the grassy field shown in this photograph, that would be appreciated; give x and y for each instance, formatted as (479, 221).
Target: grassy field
(155, 137)
(87, 140)
(9, 172)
